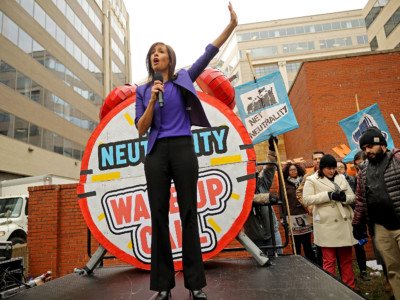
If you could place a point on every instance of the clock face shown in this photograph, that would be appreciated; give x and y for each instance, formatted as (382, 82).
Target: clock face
(113, 193)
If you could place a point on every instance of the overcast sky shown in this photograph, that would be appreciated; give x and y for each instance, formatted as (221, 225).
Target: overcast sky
(188, 26)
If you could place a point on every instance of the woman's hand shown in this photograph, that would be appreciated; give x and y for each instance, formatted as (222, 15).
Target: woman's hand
(156, 88)
(228, 30)
(234, 19)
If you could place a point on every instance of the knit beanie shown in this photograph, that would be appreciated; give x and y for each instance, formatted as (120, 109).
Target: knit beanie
(372, 136)
(327, 161)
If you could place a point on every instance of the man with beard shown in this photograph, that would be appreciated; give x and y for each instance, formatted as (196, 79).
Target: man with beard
(378, 201)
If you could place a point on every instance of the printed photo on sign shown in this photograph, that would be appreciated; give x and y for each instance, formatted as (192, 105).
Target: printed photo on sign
(259, 98)
(300, 224)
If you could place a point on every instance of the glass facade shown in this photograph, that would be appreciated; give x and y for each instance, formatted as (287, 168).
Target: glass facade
(374, 12)
(24, 131)
(36, 11)
(42, 56)
(392, 23)
(290, 31)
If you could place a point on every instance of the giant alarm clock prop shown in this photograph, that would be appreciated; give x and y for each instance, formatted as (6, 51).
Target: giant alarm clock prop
(112, 191)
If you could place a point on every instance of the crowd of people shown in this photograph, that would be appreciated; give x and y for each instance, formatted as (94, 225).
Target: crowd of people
(329, 210)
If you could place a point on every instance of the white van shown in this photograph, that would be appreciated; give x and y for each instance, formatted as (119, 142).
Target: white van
(14, 201)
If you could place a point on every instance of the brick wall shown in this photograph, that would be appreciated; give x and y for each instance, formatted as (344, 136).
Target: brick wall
(324, 93)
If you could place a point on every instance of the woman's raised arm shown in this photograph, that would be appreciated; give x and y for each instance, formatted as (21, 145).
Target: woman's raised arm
(228, 30)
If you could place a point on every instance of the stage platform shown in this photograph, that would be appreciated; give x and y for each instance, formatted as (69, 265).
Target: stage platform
(288, 277)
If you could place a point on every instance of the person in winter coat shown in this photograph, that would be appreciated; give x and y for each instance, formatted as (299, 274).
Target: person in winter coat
(378, 201)
(331, 195)
(259, 227)
(299, 216)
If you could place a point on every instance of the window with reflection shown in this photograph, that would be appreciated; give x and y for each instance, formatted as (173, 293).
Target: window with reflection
(35, 135)
(24, 41)
(373, 44)
(67, 148)
(392, 23)
(27, 5)
(23, 85)
(37, 93)
(58, 144)
(293, 67)
(47, 141)
(10, 30)
(362, 39)
(21, 130)
(6, 124)
(298, 47)
(8, 75)
(39, 15)
(261, 71)
(374, 12)
(264, 51)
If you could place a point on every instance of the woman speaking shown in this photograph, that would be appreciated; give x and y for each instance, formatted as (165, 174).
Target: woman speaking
(166, 107)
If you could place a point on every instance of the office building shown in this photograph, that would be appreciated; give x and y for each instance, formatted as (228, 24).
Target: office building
(59, 59)
(284, 44)
(382, 18)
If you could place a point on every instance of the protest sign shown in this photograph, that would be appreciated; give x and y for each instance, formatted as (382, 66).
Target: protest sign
(264, 107)
(356, 124)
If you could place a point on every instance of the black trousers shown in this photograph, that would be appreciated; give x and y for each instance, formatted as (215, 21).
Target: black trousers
(174, 159)
(305, 240)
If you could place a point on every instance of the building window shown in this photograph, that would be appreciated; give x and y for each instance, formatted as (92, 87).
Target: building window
(373, 44)
(335, 43)
(298, 47)
(261, 71)
(6, 124)
(293, 67)
(392, 22)
(374, 12)
(362, 39)
(265, 51)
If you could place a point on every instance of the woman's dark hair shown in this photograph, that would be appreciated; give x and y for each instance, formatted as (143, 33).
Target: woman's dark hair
(300, 170)
(172, 63)
(360, 155)
(344, 164)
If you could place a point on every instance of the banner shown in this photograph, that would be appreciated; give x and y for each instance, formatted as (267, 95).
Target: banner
(113, 192)
(356, 124)
(264, 107)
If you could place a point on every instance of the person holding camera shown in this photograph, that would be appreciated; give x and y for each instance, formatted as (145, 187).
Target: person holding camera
(331, 196)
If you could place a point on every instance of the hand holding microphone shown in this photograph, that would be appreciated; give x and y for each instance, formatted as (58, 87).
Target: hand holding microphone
(158, 76)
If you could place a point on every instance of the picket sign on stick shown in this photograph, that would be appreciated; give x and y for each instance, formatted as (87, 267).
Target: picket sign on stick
(395, 122)
(279, 170)
(358, 108)
(251, 66)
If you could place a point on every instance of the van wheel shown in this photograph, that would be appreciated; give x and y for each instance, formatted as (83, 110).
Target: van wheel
(17, 240)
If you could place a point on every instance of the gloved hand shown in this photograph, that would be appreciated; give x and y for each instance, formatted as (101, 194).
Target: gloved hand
(273, 199)
(337, 196)
(271, 143)
(359, 231)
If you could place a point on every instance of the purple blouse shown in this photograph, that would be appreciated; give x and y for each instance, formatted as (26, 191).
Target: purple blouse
(175, 119)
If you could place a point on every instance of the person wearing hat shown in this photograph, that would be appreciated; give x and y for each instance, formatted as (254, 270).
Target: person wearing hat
(331, 195)
(378, 201)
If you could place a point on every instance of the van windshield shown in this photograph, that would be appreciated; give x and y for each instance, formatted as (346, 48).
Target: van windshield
(12, 204)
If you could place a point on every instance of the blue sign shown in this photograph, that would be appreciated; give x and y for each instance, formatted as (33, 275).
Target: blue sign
(264, 107)
(356, 124)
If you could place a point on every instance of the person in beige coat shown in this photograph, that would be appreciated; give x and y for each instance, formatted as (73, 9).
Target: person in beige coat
(331, 196)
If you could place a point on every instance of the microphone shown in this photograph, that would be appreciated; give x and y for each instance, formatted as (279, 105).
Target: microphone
(158, 76)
